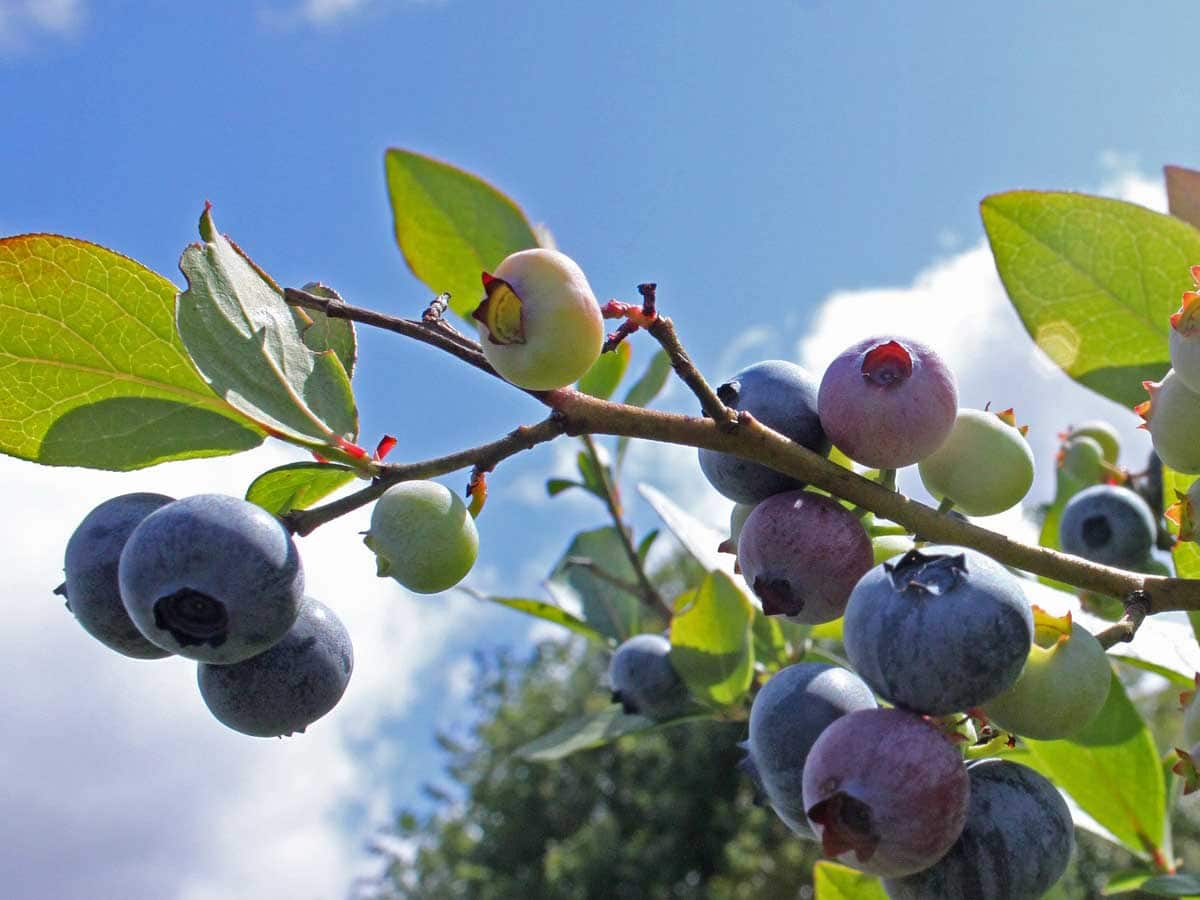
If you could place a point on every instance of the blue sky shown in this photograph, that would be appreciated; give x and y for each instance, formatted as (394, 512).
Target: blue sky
(790, 173)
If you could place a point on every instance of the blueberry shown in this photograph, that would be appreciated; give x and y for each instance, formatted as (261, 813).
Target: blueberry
(91, 587)
(886, 792)
(802, 554)
(643, 680)
(782, 396)
(288, 687)
(1107, 524)
(423, 535)
(213, 578)
(1172, 417)
(984, 467)
(939, 630)
(1015, 845)
(888, 401)
(788, 715)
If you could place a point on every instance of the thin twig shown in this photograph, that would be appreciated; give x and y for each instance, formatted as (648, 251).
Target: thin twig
(1137, 606)
(581, 414)
(648, 593)
(485, 456)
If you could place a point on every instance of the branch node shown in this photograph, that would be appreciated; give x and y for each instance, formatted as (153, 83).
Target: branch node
(1137, 607)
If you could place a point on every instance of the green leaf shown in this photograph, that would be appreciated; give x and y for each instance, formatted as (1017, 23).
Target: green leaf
(643, 547)
(1112, 770)
(770, 644)
(832, 881)
(711, 641)
(1124, 881)
(1183, 193)
(92, 372)
(549, 612)
(1186, 554)
(1145, 665)
(1094, 281)
(593, 479)
(451, 226)
(297, 485)
(697, 538)
(322, 332)
(611, 610)
(247, 344)
(555, 486)
(592, 730)
(1172, 886)
(606, 373)
(644, 390)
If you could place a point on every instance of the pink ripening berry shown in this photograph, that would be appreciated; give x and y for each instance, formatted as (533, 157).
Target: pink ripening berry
(887, 402)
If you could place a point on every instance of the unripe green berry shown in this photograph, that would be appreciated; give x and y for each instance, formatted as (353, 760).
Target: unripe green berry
(1063, 686)
(1102, 433)
(1082, 458)
(1172, 417)
(540, 325)
(985, 466)
(887, 546)
(423, 536)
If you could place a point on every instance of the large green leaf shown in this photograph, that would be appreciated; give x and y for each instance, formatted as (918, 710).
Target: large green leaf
(548, 612)
(712, 644)
(593, 730)
(832, 881)
(451, 225)
(297, 485)
(1094, 281)
(1113, 771)
(323, 332)
(249, 347)
(606, 607)
(1172, 886)
(92, 372)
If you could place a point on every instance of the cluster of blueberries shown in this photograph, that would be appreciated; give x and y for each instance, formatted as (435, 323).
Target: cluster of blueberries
(216, 579)
(944, 635)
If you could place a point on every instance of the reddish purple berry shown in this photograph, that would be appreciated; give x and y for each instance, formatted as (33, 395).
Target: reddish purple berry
(887, 402)
(885, 792)
(802, 553)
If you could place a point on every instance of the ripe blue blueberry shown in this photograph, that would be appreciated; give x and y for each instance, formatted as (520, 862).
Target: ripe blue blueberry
(782, 396)
(888, 401)
(1107, 524)
(643, 680)
(939, 630)
(91, 588)
(1015, 845)
(287, 687)
(213, 578)
(788, 715)
(802, 553)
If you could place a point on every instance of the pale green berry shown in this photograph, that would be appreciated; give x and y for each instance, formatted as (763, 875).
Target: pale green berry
(1102, 433)
(985, 466)
(539, 325)
(1172, 417)
(1082, 459)
(423, 536)
(1063, 686)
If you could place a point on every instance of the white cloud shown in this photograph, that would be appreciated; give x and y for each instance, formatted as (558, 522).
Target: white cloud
(21, 21)
(118, 783)
(959, 307)
(323, 13)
